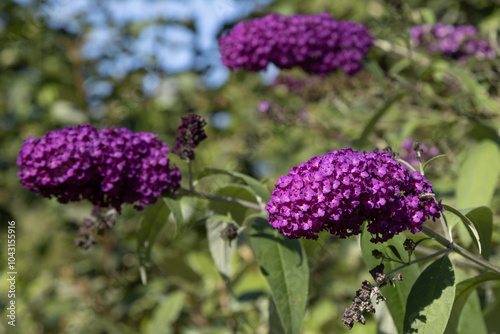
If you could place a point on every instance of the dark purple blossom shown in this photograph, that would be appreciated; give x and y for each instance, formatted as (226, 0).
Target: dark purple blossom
(189, 134)
(110, 167)
(102, 220)
(318, 44)
(410, 155)
(454, 42)
(339, 191)
(362, 303)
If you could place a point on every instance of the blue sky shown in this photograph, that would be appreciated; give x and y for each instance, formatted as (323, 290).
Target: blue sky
(163, 45)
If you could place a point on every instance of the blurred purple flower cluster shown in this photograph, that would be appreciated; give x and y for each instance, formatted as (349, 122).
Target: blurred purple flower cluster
(410, 155)
(455, 42)
(318, 44)
(108, 167)
(337, 192)
(189, 134)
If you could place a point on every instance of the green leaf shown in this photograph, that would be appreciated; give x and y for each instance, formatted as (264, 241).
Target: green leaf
(262, 194)
(222, 250)
(478, 92)
(283, 263)
(396, 296)
(478, 176)
(176, 209)
(236, 211)
(477, 181)
(375, 118)
(400, 65)
(166, 313)
(428, 15)
(482, 218)
(275, 325)
(395, 251)
(462, 294)
(377, 72)
(468, 223)
(492, 311)
(430, 301)
(154, 218)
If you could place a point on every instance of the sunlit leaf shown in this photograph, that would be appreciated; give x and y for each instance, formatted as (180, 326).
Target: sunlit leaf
(463, 292)
(431, 298)
(478, 176)
(482, 218)
(236, 211)
(283, 263)
(222, 250)
(176, 209)
(154, 218)
(468, 223)
(260, 190)
(166, 313)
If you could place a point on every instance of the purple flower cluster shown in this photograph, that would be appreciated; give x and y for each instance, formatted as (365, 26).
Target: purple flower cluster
(318, 44)
(337, 192)
(108, 167)
(409, 154)
(189, 134)
(455, 42)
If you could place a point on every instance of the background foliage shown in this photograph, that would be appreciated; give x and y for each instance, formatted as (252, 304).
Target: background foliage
(46, 82)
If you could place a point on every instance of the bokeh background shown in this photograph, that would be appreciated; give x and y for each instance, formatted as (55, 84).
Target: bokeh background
(143, 64)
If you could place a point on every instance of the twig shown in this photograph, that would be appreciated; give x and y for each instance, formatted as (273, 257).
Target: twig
(427, 251)
(425, 258)
(241, 202)
(462, 251)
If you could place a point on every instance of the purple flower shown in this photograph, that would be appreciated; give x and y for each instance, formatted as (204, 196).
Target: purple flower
(189, 134)
(454, 42)
(318, 44)
(409, 154)
(264, 106)
(339, 191)
(108, 167)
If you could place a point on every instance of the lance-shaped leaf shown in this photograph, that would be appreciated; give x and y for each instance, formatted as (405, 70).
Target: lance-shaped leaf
(468, 223)
(154, 218)
(222, 250)
(235, 210)
(260, 191)
(175, 208)
(482, 218)
(462, 293)
(479, 176)
(166, 313)
(431, 298)
(283, 263)
(370, 126)
(275, 325)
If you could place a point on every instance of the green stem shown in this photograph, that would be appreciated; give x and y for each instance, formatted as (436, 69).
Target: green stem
(241, 202)
(190, 175)
(460, 250)
(462, 261)
(425, 258)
